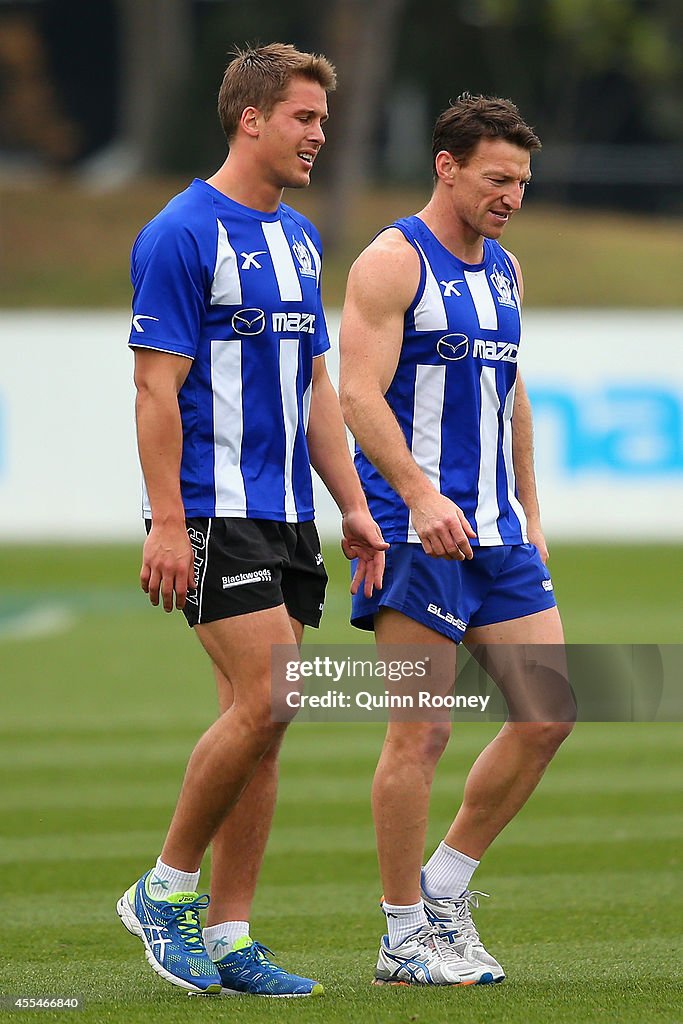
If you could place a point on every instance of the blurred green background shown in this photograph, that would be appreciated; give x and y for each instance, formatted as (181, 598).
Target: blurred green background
(572, 258)
(108, 109)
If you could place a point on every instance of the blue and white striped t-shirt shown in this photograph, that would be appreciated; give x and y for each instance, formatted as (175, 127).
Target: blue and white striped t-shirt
(238, 292)
(453, 391)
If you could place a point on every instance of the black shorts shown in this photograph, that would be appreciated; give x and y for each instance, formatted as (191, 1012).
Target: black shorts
(248, 565)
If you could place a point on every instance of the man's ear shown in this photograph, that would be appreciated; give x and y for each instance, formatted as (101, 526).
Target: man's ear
(446, 166)
(250, 121)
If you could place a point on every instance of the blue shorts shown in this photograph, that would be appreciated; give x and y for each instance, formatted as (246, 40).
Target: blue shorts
(498, 584)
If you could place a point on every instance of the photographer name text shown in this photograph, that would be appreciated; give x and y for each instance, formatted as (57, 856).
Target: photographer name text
(368, 701)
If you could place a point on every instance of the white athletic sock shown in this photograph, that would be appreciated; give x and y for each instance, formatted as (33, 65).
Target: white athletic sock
(448, 872)
(402, 921)
(220, 938)
(164, 880)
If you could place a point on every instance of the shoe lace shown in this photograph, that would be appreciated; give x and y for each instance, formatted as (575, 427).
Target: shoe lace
(186, 916)
(462, 911)
(435, 942)
(257, 953)
(468, 902)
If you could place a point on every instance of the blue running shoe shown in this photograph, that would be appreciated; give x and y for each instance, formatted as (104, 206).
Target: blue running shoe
(246, 970)
(172, 936)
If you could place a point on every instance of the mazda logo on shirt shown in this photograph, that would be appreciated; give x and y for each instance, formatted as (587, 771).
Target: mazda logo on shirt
(453, 347)
(249, 321)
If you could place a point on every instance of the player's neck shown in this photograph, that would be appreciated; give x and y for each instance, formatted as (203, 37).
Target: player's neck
(244, 185)
(457, 237)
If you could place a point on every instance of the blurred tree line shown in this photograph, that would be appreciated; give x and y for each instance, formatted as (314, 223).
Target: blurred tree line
(114, 88)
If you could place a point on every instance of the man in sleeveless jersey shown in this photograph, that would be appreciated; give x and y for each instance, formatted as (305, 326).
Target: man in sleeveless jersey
(431, 390)
(234, 405)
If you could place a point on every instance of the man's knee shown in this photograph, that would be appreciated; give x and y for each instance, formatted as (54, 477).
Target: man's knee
(557, 733)
(257, 722)
(423, 743)
(545, 738)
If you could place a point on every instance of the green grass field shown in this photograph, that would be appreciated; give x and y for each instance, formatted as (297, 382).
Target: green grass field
(103, 698)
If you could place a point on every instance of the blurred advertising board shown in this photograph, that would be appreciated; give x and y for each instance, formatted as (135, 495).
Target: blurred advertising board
(606, 388)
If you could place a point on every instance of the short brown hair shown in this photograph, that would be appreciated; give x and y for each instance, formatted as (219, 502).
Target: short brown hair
(471, 118)
(259, 76)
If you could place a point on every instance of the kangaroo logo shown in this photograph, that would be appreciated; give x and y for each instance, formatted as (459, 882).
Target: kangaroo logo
(304, 259)
(503, 286)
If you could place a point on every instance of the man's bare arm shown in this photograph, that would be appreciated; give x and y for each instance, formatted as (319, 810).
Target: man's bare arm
(523, 461)
(523, 449)
(330, 457)
(167, 558)
(382, 284)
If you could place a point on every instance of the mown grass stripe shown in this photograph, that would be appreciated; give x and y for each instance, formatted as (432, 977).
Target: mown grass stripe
(600, 786)
(339, 838)
(356, 839)
(355, 895)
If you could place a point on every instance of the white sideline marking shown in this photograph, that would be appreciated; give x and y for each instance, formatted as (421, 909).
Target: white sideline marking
(39, 621)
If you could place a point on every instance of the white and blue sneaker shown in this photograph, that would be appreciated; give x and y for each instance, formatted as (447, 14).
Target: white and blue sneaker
(424, 959)
(172, 935)
(246, 970)
(452, 921)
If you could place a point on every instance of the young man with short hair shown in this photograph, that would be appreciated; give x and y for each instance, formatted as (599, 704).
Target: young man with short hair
(234, 405)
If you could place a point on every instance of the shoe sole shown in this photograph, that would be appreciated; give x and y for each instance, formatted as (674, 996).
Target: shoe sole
(413, 984)
(315, 992)
(130, 922)
(486, 979)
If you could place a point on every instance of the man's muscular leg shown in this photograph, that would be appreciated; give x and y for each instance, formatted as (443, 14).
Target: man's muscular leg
(239, 845)
(404, 774)
(226, 757)
(508, 770)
